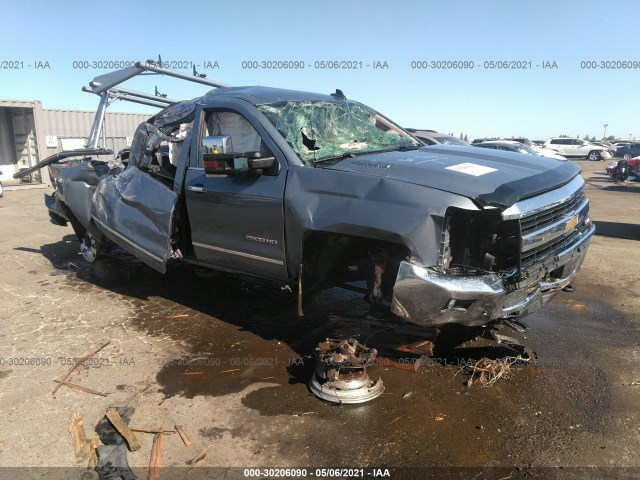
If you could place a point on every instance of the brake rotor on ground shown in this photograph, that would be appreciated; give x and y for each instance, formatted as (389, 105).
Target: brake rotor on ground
(341, 372)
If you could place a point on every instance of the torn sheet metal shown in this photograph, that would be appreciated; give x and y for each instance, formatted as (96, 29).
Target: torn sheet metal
(170, 118)
(78, 182)
(145, 144)
(75, 182)
(135, 211)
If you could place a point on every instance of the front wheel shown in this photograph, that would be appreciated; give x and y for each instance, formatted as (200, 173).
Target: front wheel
(595, 156)
(90, 248)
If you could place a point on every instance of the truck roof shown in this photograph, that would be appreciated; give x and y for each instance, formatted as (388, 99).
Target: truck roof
(258, 95)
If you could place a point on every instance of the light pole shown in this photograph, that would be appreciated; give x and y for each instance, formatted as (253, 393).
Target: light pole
(604, 136)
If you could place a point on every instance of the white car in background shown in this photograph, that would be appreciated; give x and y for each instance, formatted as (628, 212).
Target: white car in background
(547, 152)
(574, 147)
(513, 146)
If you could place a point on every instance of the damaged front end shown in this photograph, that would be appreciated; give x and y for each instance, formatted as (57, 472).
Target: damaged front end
(498, 264)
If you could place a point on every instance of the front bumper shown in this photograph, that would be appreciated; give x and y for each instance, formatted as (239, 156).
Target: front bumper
(426, 297)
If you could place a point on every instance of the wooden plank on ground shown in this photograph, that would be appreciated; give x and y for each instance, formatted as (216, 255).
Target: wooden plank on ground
(156, 457)
(78, 437)
(124, 430)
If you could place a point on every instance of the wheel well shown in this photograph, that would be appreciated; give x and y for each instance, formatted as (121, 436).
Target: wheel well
(331, 259)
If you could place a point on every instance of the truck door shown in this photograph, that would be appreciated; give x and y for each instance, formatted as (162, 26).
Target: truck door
(237, 221)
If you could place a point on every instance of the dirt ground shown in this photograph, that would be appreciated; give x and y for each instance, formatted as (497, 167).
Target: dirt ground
(230, 363)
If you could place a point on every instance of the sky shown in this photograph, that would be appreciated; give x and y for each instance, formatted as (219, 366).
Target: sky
(49, 49)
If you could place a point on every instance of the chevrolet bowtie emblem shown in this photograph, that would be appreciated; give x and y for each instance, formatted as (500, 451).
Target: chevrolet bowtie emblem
(571, 223)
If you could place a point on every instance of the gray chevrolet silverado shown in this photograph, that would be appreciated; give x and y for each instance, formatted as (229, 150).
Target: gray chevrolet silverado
(309, 191)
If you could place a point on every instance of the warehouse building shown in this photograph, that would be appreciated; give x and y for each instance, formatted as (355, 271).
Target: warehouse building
(30, 133)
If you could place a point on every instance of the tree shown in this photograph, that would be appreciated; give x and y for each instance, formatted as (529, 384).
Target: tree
(465, 138)
(586, 137)
(461, 137)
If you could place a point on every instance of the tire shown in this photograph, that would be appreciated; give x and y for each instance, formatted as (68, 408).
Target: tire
(594, 156)
(1, 190)
(90, 248)
(627, 156)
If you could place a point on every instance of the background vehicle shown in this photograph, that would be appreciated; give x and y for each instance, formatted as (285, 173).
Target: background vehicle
(610, 148)
(634, 166)
(431, 137)
(574, 147)
(628, 151)
(305, 192)
(523, 140)
(515, 146)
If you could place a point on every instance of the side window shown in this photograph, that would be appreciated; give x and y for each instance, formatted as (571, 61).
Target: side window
(244, 138)
(556, 141)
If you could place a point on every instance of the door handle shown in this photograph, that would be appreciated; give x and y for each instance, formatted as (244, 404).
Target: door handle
(197, 188)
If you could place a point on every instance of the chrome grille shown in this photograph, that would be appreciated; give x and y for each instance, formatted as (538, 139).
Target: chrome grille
(548, 232)
(537, 221)
(554, 247)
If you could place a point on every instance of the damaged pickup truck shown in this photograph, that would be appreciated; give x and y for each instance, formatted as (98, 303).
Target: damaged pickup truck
(310, 191)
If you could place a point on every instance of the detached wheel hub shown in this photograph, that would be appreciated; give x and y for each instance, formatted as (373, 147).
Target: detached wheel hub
(341, 375)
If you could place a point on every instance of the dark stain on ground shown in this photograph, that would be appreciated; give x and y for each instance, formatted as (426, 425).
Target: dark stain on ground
(5, 373)
(557, 411)
(622, 187)
(628, 231)
(213, 432)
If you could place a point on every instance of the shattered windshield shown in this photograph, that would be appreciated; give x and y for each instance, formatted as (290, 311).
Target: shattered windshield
(319, 130)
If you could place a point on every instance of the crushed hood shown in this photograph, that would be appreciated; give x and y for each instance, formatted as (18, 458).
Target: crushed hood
(491, 178)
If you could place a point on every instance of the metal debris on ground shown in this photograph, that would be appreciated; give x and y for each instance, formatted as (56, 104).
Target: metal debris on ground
(341, 376)
(400, 345)
(487, 371)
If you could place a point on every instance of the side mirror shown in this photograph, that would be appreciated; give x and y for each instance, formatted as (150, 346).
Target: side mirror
(257, 163)
(217, 144)
(262, 161)
(218, 163)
